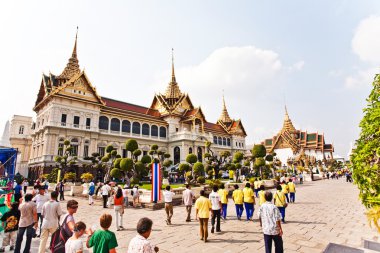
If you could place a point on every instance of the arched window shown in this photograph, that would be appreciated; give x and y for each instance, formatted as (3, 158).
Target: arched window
(126, 126)
(200, 155)
(60, 146)
(74, 144)
(220, 142)
(163, 132)
(136, 128)
(215, 140)
(224, 141)
(103, 122)
(190, 150)
(154, 131)
(21, 130)
(145, 129)
(228, 142)
(115, 125)
(177, 155)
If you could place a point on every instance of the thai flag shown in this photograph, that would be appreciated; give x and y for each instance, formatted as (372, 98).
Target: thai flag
(156, 182)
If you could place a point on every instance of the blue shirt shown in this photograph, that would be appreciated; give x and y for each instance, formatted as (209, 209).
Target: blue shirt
(18, 189)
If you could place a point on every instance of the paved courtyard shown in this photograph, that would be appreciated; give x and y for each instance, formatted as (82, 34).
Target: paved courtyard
(325, 211)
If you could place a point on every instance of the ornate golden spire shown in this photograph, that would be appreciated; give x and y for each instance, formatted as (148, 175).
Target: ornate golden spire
(172, 91)
(72, 67)
(224, 117)
(288, 125)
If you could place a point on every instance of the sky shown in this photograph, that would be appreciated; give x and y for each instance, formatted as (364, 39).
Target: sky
(316, 57)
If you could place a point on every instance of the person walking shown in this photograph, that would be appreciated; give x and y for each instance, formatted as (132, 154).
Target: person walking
(202, 210)
(256, 185)
(187, 199)
(125, 196)
(41, 198)
(292, 191)
(301, 178)
(270, 221)
(285, 190)
(103, 240)
(223, 194)
(119, 209)
(140, 243)
(216, 206)
(74, 244)
(61, 190)
(51, 212)
(249, 201)
(25, 185)
(262, 195)
(237, 197)
(106, 192)
(136, 196)
(10, 221)
(91, 192)
(17, 192)
(168, 198)
(280, 202)
(28, 222)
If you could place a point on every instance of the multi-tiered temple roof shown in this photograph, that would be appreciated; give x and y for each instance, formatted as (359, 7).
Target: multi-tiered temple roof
(297, 140)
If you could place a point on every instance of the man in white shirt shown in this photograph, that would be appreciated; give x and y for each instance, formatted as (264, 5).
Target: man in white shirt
(40, 200)
(106, 190)
(168, 198)
(187, 198)
(51, 211)
(216, 206)
(270, 221)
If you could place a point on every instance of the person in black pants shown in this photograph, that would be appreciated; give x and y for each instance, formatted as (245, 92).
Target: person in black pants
(61, 189)
(216, 206)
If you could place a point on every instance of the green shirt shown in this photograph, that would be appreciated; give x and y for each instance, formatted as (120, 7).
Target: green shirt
(103, 241)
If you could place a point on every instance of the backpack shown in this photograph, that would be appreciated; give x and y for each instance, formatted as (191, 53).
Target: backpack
(91, 190)
(59, 238)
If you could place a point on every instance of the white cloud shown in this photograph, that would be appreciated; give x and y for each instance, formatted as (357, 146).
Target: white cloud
(360, 79)
(366, 40)
(250, 78)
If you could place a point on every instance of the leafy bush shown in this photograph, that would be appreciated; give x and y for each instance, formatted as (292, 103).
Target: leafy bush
(131, 145)
(116, 173)
(183, 167)
(134, 180)
(146, 159)
(70, 176)
(213, 182)
(259, 151)
(87, 177)
(198, 168)
(137, 152)
(167, 162)
(191, 158)
(189, 175)
(116, 163)
(201, 180)
(126, 164)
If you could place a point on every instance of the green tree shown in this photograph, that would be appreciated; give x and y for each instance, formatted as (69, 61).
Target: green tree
(215, 162)
(366, 156)
(67, 159)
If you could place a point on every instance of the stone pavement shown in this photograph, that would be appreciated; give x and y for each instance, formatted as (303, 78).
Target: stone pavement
(325, 211)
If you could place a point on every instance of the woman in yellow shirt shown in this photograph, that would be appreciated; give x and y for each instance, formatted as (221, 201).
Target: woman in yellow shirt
(249, 201)
(237, 197)
(262, 195)
(279, 201)
(285, 190)
(223, 194)
(292, 191)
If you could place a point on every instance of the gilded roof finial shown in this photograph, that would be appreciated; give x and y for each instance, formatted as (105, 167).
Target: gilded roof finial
(288, 125)
(72, 67)
(173, 74)
(173, 91)
(224, 117)
(74, 54)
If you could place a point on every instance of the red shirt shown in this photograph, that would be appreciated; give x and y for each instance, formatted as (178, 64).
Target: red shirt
(118, 201)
